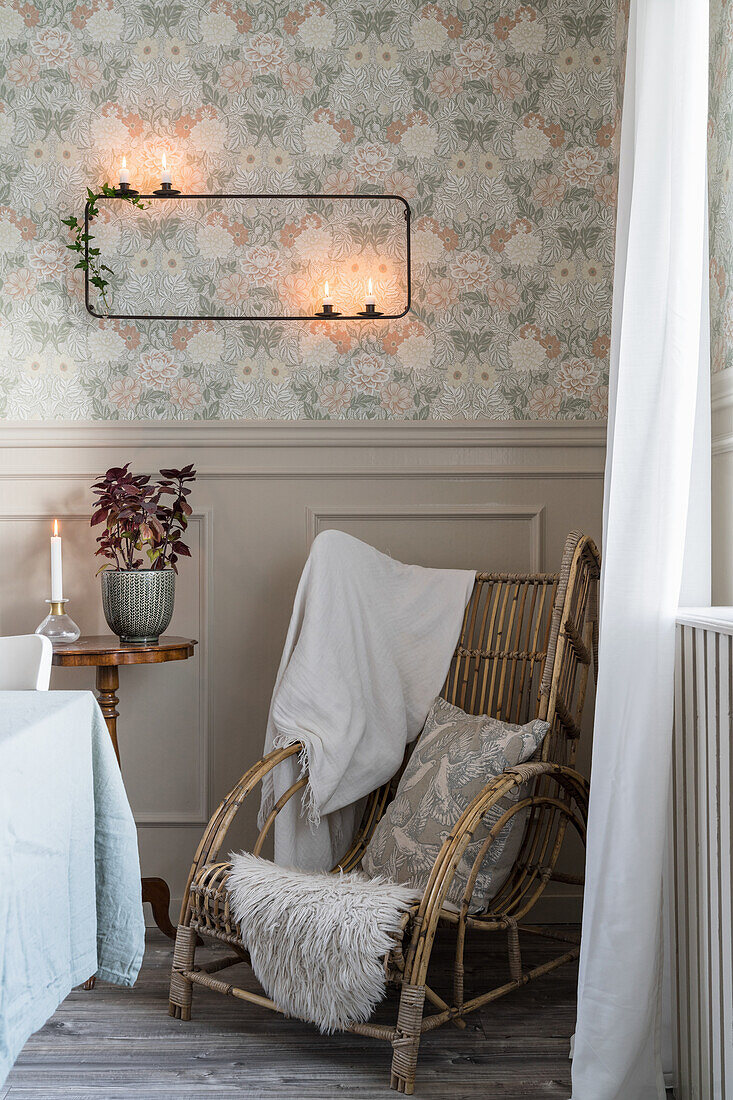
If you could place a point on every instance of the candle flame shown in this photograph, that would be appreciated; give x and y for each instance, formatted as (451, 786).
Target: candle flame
(55, 528)
(164, 164)
(124, 162)
(326, 289)
(370, 286)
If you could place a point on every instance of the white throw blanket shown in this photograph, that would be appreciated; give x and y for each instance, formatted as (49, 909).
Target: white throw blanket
(368, 649)
(317, 941)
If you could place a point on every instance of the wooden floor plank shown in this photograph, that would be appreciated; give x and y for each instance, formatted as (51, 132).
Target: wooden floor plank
(308, 1090)
(120, 1044)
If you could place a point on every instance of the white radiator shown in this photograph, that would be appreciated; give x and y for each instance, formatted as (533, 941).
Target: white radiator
(702, 874)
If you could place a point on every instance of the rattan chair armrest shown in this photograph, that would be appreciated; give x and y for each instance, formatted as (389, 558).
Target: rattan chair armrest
(455, 844)
(530, 770)
(568, 778)
(252, 778)
(570, 775)
(444, 867)
(458, 838)
(222, 818)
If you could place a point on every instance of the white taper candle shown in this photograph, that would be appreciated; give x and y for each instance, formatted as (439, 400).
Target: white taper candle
(57, 580)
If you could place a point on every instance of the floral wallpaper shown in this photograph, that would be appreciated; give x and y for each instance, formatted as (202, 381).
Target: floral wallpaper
(720, 183)
(495, 120)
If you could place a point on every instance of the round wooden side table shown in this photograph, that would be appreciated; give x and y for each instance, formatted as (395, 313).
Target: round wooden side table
(106, 655)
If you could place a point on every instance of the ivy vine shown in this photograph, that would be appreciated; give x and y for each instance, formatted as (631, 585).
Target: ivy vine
(89, 260)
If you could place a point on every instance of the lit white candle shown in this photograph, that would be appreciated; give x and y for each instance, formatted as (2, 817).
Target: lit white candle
(369, 300)
(57, 582)
(166, 176)
(124, 172)
(327, 299)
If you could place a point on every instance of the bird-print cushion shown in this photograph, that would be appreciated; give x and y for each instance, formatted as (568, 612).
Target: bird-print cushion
(456, 756)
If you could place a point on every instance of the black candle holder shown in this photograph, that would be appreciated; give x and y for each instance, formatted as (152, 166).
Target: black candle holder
(166, 190)
(328, 311)
(369, 311)
(125, 189)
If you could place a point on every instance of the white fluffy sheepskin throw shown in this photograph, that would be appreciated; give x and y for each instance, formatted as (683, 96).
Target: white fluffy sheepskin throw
(316, 940)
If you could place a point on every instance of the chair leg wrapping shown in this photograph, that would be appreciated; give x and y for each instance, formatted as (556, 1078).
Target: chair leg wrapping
(181, 988)
(515, 955)
(407, 1042)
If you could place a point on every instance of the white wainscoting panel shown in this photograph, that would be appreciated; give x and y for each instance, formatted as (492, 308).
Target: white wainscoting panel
(465, 495)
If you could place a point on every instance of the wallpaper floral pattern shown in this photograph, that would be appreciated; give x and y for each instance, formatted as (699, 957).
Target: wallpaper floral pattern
(720, 183)
(496, 120)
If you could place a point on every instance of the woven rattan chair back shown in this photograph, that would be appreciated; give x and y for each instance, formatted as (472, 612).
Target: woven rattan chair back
(500, 657)
(526, 649)
(525, 646)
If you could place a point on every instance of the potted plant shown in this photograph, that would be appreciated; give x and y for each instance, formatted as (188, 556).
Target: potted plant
(144, 521)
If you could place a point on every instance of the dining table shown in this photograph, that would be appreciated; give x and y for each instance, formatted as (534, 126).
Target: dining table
(70, 905)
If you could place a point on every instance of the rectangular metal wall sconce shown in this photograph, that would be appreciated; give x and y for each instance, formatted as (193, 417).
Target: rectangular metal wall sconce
(397, 264)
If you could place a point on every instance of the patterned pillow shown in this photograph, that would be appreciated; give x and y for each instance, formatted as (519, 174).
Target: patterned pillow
(456, 756)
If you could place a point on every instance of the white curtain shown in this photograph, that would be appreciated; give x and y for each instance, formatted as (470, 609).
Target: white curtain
(654, 464)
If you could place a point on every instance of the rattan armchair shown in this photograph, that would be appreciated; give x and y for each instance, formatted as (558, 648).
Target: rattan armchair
(525, 651)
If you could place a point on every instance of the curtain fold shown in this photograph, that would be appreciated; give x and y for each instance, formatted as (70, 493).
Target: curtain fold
(659, 335)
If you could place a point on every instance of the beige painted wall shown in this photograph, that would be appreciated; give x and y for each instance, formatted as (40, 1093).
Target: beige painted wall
(489, 496)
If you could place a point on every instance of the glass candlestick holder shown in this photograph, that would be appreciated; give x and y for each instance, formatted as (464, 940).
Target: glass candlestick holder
(58, 626)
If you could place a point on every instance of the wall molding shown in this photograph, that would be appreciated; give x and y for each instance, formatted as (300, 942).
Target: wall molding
(339, 450)
(592, 470)
(272, 433)
(531, 513)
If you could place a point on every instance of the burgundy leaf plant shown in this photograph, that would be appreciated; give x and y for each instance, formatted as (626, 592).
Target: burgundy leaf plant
(142, 516)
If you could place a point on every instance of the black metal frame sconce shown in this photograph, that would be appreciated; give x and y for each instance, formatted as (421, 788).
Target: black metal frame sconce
(327, 313)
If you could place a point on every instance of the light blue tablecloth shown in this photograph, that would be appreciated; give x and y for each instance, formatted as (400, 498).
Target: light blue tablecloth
(70, 903)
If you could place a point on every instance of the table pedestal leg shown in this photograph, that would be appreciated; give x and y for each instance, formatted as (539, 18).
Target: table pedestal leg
(155, 890)
(108, 682)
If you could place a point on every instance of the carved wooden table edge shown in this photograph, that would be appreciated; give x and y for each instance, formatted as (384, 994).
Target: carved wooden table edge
(105, 650)
(105, 653)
